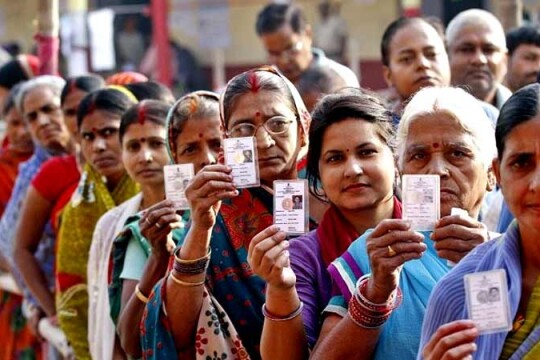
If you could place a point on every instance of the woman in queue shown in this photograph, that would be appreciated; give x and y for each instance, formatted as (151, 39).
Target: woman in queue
(221, 297)
(446, 333)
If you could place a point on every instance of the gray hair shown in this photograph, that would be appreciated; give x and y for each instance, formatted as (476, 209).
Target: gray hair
(461, 106)
(55, 83)
(476, 17)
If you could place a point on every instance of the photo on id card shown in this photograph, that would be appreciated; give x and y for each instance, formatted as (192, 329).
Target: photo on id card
(421, 200)
(487, 301)
(291, 206)
(177, 178)
(241, 155)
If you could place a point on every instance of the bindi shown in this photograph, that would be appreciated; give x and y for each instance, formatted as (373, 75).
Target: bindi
(436, 145)
(200, 135)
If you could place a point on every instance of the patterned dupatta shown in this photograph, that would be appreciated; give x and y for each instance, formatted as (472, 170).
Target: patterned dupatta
(232, 308)
(90, 201)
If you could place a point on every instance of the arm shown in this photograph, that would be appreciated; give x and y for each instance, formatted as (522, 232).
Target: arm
(269, 258)
(34, 216)
(335, 339)
(132, 307)
(204, 194)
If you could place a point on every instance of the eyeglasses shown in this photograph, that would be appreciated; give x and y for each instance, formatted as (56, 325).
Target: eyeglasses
(288, 53)
(276, 125)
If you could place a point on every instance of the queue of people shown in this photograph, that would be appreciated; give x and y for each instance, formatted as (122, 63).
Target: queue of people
(97, 246)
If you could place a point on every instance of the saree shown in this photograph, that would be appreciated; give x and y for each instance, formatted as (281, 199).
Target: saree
(101, 330)
(89, 202)
(448, 301)
(399, 336)
(229, 280)
(9, 169)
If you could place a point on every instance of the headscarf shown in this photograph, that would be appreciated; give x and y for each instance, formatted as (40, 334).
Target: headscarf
(302, 115)
(126, 77)
(171, 143)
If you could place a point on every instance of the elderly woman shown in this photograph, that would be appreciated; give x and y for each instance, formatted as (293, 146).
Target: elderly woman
(444, 132)
(210, 303)
(444, 334)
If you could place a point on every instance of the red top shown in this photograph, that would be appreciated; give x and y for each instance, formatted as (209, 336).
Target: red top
(9, 169)
(56, 181)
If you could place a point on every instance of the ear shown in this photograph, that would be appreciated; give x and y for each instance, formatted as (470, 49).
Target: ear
(494, 174)
(387, 74)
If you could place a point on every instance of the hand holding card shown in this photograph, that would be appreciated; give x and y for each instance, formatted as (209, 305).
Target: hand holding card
(241, 156)
(290, 206)
(177, 178)
(421, 201)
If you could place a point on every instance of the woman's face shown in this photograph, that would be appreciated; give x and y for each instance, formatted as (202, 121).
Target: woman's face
(17, 133)
(199, 143)
(436, 144)
(69, 108)
(100, 144)
(144, 153)
(417, 59)
(518, 173)
(276, 154)
(356, 167)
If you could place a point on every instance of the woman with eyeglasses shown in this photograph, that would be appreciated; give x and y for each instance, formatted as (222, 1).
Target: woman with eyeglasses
(351, 166)
(212, 295)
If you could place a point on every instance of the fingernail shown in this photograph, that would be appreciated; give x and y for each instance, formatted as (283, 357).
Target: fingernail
(285, 244)
(474, 347)
(286, 253)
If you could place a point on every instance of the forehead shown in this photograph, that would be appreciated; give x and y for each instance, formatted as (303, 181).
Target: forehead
(281, 38)
(416, 35)
(479, 35)
(438, 127)
(524, 137)
(74, 98)
(37, 97)
(148, 129)
(263, 103)
(199, 129)
(527, 49)
(350, 133)
(99, 119)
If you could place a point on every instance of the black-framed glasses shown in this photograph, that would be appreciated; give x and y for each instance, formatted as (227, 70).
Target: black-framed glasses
(293, 50)
(276, 125)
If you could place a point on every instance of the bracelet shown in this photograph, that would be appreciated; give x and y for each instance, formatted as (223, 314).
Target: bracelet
(191, 267)
(185, 283)
(393, 302)
(273, 317)
(140, 295)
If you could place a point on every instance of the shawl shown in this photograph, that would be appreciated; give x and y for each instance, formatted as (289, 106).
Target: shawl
(448, 301)
(230, 279)
(399, 337)
(131, 232)
(101, 330)
(10, 219)
(335, 233)
(89, 202)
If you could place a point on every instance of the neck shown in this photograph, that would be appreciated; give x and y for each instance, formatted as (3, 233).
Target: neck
(363, 220)
(113, 181)
(530, 248)
(491, 97)
(151, 195)
(289, 175)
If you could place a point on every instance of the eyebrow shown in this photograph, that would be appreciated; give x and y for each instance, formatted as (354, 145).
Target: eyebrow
(358, 147)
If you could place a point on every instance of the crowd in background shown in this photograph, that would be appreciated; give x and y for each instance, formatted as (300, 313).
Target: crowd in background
(96, 249)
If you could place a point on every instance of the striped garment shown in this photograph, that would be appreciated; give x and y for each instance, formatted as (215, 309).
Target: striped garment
(448, 301)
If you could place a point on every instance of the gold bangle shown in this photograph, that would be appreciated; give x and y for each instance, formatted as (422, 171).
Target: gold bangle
(184, 283)
(140, 295)
(182, 261)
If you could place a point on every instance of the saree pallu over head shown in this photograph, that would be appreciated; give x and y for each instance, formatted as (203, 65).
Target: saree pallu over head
(399, 337)
(231, 284)
(90, 201)
(448, 301)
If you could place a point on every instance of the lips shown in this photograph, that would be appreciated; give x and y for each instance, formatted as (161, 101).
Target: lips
(269, 159)
(105, 161)
(480, 74)
(355, 187)
(148, 172)
(430, 80)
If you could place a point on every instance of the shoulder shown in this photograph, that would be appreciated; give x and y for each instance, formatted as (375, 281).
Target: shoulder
(111, 217)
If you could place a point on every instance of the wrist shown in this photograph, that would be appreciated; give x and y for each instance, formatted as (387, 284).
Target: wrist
(280, 301)
(377, 294)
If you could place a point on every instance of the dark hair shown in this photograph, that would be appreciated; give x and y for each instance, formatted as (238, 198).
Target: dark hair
(397, 25)
(334, 108)
(274, 16)
(195, 105)
(151, 90)
(243, 84)
(321, 79)
(10, 101)
(521, 107)
(154, 111)
(110, 100)
(21, 68)
(523, 35)
(86, 83)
